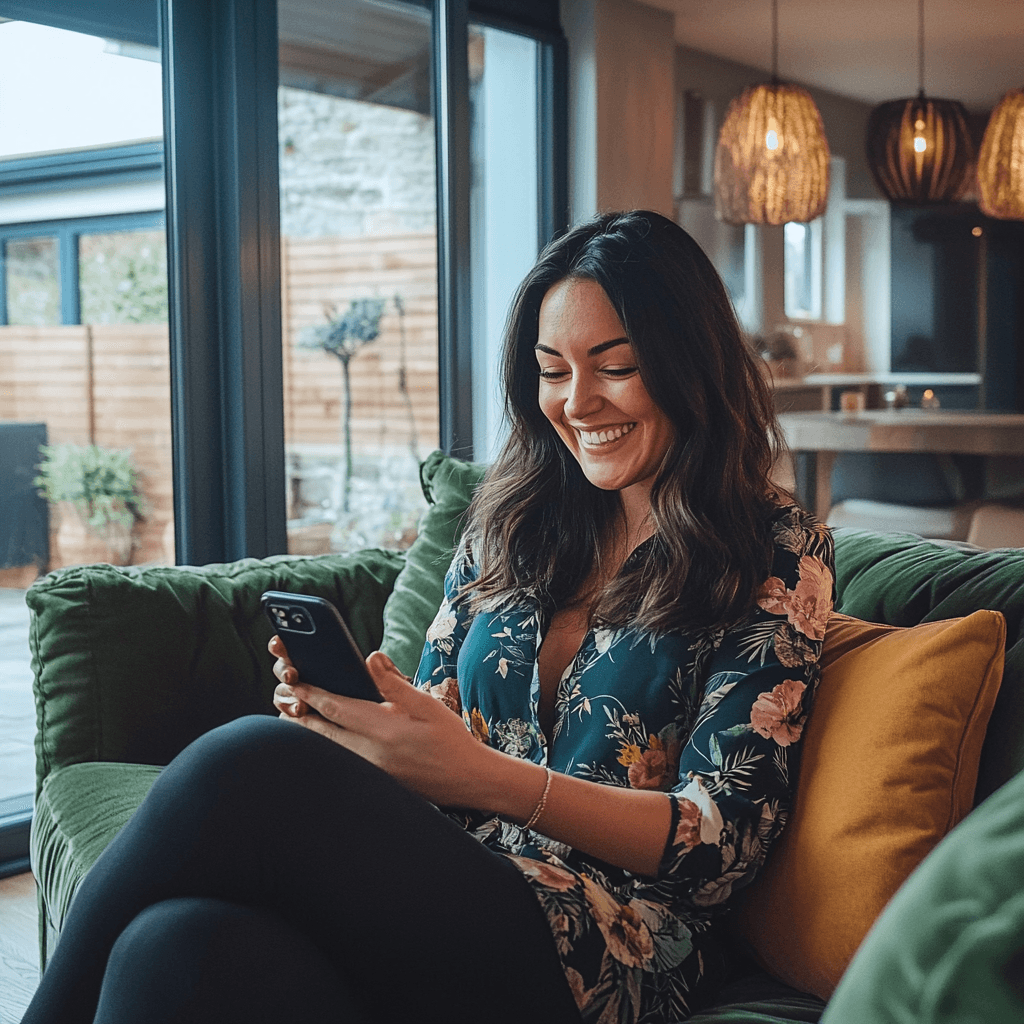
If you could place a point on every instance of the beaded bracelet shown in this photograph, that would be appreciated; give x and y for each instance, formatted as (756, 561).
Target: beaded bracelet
(539, 809)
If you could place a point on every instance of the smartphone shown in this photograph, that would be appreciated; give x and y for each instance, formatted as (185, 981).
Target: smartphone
(319, 644)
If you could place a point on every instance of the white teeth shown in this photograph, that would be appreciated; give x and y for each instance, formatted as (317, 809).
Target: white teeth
(604, 436)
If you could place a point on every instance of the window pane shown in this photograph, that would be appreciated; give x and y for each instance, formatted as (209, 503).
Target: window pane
(122, 277)
(359, 270)
(504, 205)
(803, 270)
(33, 281)
(104, 382)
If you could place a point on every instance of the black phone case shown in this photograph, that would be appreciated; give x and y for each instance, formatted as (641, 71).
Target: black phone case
(319, 644)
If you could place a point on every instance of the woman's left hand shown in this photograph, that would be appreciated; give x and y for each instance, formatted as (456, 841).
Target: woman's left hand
(412, 736)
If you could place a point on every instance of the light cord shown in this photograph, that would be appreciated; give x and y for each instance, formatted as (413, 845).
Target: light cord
(775, 41)
(920, 47)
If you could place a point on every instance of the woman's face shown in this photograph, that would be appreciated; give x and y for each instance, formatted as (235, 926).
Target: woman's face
(591, 391)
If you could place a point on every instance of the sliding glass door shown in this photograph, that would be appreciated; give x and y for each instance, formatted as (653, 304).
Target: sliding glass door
(84, 363)
(375, 172)
(358, 269)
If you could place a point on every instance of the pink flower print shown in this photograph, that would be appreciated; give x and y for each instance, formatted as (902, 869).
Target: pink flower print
(688, 830)
(447, 692)
(711, 821)
(625, 932)
(649, 770)
(777, 715)
(808, 604)
(547, 874)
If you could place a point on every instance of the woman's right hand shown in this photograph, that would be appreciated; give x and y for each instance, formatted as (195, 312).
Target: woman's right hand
(285, 700)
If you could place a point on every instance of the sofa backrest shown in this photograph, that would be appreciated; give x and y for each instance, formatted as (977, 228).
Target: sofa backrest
(132, 664)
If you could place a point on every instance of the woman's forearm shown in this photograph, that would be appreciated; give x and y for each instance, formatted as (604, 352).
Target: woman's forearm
(625, 827)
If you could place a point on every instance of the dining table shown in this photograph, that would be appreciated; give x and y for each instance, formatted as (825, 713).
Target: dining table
(823, 435)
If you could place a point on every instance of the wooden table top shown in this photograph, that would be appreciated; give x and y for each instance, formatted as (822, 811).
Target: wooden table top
(906, 430)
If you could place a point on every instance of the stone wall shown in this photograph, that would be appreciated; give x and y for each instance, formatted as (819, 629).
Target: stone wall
(351, 169)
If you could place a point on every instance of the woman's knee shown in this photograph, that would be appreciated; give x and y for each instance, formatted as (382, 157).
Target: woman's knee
(196, 959)
(243, 752)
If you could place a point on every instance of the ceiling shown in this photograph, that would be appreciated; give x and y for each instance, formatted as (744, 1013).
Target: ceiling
(867, 49)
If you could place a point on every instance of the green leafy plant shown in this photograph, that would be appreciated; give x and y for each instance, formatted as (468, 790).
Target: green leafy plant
(102, 483)
(343, 336)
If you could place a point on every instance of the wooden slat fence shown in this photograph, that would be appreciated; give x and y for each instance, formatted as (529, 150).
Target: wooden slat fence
(110, 384)
(325, 272)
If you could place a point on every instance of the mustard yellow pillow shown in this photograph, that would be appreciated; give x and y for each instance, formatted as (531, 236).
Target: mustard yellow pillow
(890, 762)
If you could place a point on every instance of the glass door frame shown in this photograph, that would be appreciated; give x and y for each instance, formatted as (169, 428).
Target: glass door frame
(220, 73)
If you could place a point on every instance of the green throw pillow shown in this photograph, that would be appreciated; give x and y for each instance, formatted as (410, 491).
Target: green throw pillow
(448, 486)
(949, 947)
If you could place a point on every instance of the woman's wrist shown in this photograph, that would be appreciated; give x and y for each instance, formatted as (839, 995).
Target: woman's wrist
(510, 786)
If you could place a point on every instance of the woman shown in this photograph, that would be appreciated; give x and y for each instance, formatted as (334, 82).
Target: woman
(629, 639)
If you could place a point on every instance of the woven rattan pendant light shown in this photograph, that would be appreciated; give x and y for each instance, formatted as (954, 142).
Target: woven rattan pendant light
(771, 162)
(1001, 160)
(919, 150)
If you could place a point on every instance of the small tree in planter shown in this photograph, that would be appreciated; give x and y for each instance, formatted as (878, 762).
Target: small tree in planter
(99, 486)
(343, 336)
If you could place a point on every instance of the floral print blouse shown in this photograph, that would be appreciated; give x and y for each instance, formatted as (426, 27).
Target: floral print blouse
(712, 718)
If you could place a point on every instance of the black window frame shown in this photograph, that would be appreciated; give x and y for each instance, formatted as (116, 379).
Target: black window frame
(68, 232)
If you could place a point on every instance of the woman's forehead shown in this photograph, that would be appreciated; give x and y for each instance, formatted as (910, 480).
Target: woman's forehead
(577, 311)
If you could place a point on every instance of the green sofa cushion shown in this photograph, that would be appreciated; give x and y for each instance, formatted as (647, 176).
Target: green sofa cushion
(901, 579)
(132, 664)
(949, 947)
(758, 998)
(448, 486)
(78, 811)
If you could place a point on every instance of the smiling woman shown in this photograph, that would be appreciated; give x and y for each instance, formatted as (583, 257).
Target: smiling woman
(599, 743)
(592, 392)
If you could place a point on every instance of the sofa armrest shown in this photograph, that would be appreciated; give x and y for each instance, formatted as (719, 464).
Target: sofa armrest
(132, 664)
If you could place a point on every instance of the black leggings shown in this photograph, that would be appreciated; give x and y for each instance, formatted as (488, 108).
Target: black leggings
(271, 875)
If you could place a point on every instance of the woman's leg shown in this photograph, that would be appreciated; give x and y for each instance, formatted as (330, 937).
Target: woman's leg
(421, 921)
(203, 961)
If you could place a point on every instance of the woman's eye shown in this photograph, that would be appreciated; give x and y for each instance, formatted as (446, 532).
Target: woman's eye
(553, 374)
(620, 371)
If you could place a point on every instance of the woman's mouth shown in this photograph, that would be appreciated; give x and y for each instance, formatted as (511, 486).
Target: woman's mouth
(596, 438)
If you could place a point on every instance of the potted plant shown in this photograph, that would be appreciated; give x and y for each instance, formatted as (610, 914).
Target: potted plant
(97, 490)
(344, 334)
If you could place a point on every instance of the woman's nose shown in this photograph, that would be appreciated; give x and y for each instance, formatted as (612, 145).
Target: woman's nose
(583, 398)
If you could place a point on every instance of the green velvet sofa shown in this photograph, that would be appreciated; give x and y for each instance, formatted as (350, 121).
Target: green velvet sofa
(132, 664)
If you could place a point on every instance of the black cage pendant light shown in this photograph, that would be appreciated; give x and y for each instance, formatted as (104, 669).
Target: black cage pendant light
(920, 150)
(771, 162)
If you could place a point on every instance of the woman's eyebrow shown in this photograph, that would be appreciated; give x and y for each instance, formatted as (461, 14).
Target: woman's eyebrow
(596, 350)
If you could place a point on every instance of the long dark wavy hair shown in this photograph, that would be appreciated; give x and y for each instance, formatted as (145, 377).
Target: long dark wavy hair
(538, 526)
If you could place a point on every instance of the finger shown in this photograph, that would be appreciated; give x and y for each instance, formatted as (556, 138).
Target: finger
(277, 648)
(285, 672)
(391, 683)
(287, 703)
(365, 717)
(383, 659)
(343, 737)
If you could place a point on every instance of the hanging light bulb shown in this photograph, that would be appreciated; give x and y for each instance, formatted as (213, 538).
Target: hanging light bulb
(771, 162)
(920, 150)
(1001, 160)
